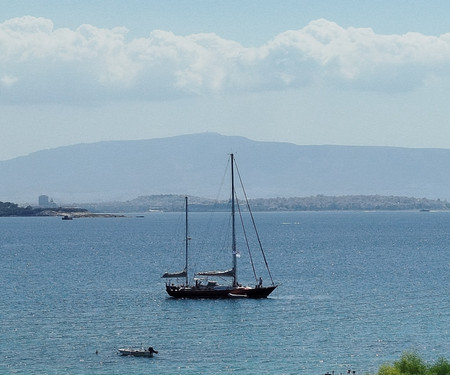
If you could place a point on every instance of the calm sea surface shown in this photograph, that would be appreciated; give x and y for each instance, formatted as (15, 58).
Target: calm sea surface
(357, 289)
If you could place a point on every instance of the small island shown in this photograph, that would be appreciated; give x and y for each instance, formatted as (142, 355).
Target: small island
(8, 209)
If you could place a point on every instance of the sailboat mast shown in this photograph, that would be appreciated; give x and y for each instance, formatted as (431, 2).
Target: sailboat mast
(233, 221)
(186, 240)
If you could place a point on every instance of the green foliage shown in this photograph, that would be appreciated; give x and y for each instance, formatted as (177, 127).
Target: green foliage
(388, 370)
(413, 364)
(441, 367)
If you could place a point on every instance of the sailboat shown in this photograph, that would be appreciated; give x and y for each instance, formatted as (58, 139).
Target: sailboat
(203, 286)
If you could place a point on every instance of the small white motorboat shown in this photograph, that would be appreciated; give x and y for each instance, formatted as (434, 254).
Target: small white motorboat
(141, 352)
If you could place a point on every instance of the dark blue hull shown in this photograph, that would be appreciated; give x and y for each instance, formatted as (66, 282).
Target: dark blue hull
(218, 291)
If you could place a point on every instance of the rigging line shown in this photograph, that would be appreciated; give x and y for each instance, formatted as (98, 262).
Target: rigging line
(176, 235)
(246, 239)
(208, 230)
(222, 183)
(254, 224)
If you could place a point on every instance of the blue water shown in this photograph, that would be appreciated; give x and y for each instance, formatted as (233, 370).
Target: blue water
(357, 289)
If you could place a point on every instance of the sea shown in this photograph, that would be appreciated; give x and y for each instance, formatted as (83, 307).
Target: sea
(356, 290)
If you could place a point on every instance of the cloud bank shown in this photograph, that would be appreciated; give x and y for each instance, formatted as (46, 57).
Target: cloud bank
(39, 63)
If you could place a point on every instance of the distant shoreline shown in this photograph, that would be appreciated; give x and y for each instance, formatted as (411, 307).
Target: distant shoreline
(175, 203)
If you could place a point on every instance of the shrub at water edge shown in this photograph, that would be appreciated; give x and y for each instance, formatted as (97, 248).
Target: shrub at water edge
(413, 364)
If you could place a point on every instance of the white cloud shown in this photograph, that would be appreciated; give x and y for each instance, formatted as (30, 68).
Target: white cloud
(8, 80)
(41, 63)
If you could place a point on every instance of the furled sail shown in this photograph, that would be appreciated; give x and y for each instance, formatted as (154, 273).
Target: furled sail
(174, 275)
(227, 273)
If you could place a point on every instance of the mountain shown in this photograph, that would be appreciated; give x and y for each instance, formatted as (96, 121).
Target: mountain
(195, 164)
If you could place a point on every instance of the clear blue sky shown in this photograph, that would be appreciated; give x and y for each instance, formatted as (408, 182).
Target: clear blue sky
(250, 22)
(307, 72)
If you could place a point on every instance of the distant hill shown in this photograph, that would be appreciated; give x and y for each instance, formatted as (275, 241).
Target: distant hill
(195, 164)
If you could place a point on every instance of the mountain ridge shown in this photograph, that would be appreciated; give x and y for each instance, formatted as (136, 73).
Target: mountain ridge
(193, 164)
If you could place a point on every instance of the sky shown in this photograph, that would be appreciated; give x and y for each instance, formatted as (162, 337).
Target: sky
(310, 72)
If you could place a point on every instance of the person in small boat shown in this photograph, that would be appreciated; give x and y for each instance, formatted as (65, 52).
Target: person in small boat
(151, 350)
